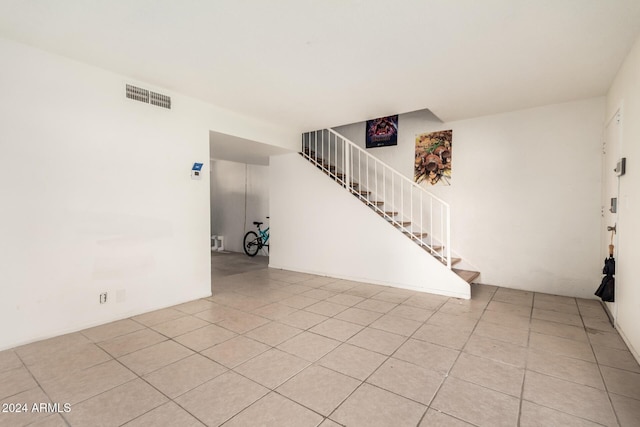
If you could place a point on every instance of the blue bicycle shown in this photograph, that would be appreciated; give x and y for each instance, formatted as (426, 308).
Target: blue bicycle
(254, 242)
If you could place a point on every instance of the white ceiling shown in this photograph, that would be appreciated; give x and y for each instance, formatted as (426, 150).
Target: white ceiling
(234, 149)
(309, 64)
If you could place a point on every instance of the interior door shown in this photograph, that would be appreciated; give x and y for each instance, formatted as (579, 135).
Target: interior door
(610, 199)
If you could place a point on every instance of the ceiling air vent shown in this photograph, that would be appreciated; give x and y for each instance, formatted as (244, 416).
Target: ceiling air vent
(143, 95)
(160, 100)
(137, 93)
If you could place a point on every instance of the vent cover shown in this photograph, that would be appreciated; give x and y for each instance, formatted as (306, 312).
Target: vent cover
(137, 93)
(160, 100)
(153, 98)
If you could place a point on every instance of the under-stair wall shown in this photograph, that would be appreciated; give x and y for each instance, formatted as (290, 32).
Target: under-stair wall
(318, 227)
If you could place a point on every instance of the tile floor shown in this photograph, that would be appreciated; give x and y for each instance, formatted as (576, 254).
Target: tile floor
(277, 348)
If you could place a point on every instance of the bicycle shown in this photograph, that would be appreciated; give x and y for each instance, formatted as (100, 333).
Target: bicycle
(253, 243)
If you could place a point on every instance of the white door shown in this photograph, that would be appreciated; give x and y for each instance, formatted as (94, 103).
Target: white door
(611, 156)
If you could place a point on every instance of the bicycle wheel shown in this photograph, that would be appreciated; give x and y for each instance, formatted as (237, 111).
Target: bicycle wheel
(251, 243)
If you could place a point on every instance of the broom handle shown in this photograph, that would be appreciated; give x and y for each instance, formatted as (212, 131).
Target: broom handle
(611, 245)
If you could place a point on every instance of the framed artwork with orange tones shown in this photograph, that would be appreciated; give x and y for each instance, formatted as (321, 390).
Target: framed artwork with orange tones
(433, 158)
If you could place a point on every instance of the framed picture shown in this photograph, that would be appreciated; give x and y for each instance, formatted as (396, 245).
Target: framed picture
(382, 132)
(433, 158)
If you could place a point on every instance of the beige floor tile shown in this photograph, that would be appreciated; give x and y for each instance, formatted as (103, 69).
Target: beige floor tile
(309, 346)
(566, 368)
(112, 330)
(472, 308)
(336, 329)
(82, 385)
(426, 301)
(319, 294)
(345, 299)
(134, 341)
(235, 351)
(556, 299)
(556, 316)
(434, 418)
(272, 368)
(353, 361)
(488, 373)
(533, 415)
(24, 415)
(371, 406)
(274, 311)
(238, 301)
(393, 296)
(475, 404)
(499, 351)
(319, 389)
(42, 351)
(65, 362)
(221, 398)
(180, 326)
(9, 360)
(326, 308)
(167, 415)
(407, 380)
(427, 355)
(622, 382)
(338, 285)
(329, 423)
(240, 322)
(364, 291)
(377, 340)
(206, 337)
(593, 312)
(298, 301)
(507, 320)
(598, 324)
(576, 333)
(117, 406)
(564, 396)
(159, 316)
(627, 410)
(184, 375)
(215, 313)
(297, 288)
(274, 410)
(359, 316)
(448, 336)
(15, 381)
(501, 333)
(155, 357)
(303, 319)
(50, 421)
(376, 305)
(561, 346)
(318, 281)
(273, 333)
(606, 339)
(411, 313)
(505, 307)
(562, 307)
(514, 296)
(622, 359)
(396, 325)
(193, 307)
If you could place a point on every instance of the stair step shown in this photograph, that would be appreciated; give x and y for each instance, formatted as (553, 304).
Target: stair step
(400, 223)
(361, 192)
(454, 261)
(416, 235)
(387, 213)
(374, 202)
(467, 275)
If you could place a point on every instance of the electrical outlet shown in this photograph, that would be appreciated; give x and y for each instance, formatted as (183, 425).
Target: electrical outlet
(103, 298)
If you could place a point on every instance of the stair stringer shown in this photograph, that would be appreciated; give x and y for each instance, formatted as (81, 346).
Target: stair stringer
(318, 227)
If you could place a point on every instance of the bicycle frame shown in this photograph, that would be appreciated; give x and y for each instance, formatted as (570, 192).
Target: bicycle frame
(264, 236)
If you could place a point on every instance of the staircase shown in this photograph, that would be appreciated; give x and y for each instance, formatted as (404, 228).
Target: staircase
(421, 216)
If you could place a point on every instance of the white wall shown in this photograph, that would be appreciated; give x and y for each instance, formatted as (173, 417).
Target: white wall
(525, 193)
(239, 196)
(318, 227)
(97, 196)
(625, 92)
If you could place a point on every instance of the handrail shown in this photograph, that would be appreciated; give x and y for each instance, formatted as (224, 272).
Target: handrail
(356, 165)
(389, 167)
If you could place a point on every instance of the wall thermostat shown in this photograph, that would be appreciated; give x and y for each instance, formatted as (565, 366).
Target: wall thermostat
(196, 170)
(621, 166)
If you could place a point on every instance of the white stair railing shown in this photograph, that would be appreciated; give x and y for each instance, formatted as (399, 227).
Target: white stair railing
(421, 215)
